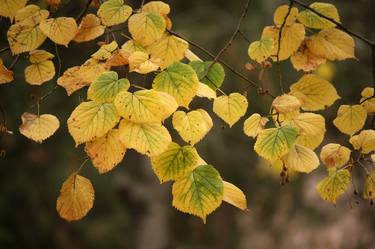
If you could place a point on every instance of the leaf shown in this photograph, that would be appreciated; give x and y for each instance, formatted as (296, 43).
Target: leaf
(175, 162)
(261, 50)
(211, 75)
(283, 11)
(105, 51)
(106, 152)
(367, 100)
(364, 141)
(32, 13)
(310, 141)
(301, 159)
(291, 39)
(37, 56)
(314, 92)
(9, 8)
(6, 75)
(76, 198)
(60, 30)
(230, 108)
(106, 87)
(334, 155)
(38, 127)
(168, 50)
(286, 103)
(178, 80)
(89, 29)
(198, 193)
(309, 123)
(312, 20)
(157, 7)
(113, 12)
(204, 91)
(369, 186)
(144, 106)
(350, 119)
(38, 73)
(234, 196)
(150, 139)
(192, 126)
(254, 124)
(306, 60)
(332, 44)
(139, 62)
(146, 28)
(273, 143)
(334, 185)
(91, 120)
(130, 47)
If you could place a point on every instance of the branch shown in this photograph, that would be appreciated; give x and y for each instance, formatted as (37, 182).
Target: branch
(84, 11)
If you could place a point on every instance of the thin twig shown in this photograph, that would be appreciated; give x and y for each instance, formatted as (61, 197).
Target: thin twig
(14, 62)
(244, 36)
(84, 11)
(4, 49)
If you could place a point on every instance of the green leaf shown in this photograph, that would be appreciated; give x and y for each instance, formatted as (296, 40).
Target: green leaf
(312, 20)
(273, 143)
(114, 12)
(200, 192)
(106, 87)
(175, 162)
(178, 80)
(213, 76)
(334, 185)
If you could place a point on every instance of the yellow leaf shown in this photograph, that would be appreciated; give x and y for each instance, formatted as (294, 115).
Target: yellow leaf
(38, 73)
(334, 155)
(105, 51)
(130, 47)
(261, 50)
(305, 60)
(350, 119)
(280, 14)
(38, 128)
(204, 91)
(273, 143)
(369, 187)
(254, 124)
(364, 141)
(150, 139)
(146, 28)
(314, 92)
(310, 141)
(60, 30)
(6, 75)
(286, 103)
(334, 185)
(332, 44)
(32, 13)
(191, 56)
(117, 58)
(91, 120)
(9, 8)
(234, 196)
(76, 198)
(192, 126)
(139, 62)
(309, 123)
(168, 50)
(368, 99)
(157, 7)
(175, 162)
(198, 193)
(89, 29)
(230, 108)
(113, 12)
(291, 38)
(312, 20)
(301, 159)
(144, 106)
(37, 56)
(106, 152)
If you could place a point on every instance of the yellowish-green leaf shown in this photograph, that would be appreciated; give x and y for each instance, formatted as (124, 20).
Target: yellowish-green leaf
(273, 143)
(106, 87)
(89, 29)
(175, 162)
(301, 159)
(60, 30)
(113, 12)
(91, 120)
(234, 196)
(150, 139)
(314, 92)
(369, 186)
(198, 193)
(146, 28)
(130, 47)
(254, 124)
(312, 20)
(364, 141)
(283, 12)
(261, 50)
(106, 152)
(9, 8)
(141, 63)
(210, 74)
(76, 198)
(334, 155)
(334, 185)
(192, 126)
(230, 108)
(178, 80)
(38, 73)
(332, 44)
(350, 118)
(38, 127)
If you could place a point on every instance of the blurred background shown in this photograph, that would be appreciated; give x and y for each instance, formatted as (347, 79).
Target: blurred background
(132, 210)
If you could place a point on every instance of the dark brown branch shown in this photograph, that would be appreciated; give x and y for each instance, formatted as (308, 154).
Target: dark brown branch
(14, 62)
(4, 49)
(84, 11)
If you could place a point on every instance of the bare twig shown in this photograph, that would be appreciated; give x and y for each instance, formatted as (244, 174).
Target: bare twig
(244, 36)
(84, 11)
(4, 49)
(14, 62)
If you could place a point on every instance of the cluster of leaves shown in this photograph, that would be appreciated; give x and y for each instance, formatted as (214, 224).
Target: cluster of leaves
(119, 115)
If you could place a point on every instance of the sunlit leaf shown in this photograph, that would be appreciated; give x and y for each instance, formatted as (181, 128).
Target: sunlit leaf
(312, 20)
(113, 12)
(141, 63)
(38, 73)
(211, 75)
(261, 50)
(234, 196)
(157, 7)
(146, 27)
(306, 60)
(350, 118)
(364, 141)
(334, 185)
(282, 12)
(60, 30)
(38, 127)
(301, 159)
(286, 103)
(105, 51)
(89, 29)
(254, 124)
(204, 91)
(230, 108)
(368, 99)
(9, 8)
(334, 155)
(6, 75)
